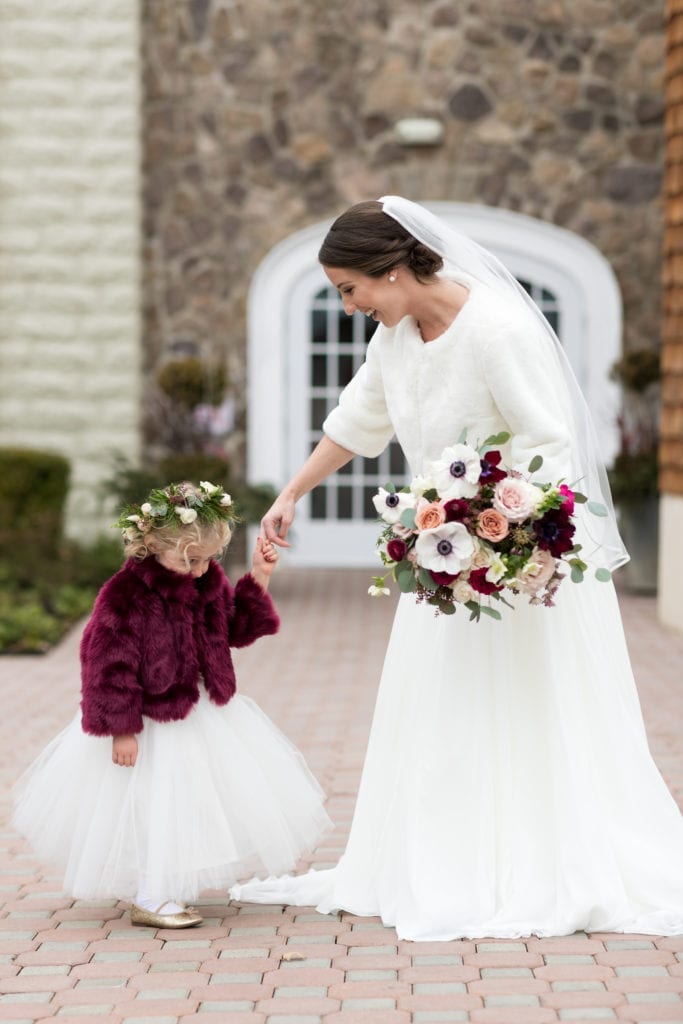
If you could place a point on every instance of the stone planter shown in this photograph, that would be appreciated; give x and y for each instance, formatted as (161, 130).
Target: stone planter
(639, 526)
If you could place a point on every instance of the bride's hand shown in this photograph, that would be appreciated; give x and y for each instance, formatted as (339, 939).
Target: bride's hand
(277, 521)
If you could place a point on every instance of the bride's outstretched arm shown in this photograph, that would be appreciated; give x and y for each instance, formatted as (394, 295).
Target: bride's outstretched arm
(326, 458)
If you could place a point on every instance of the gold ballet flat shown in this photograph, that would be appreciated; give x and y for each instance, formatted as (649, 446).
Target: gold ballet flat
(186, 918)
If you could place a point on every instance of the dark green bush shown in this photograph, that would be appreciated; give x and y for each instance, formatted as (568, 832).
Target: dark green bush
(191, 382)
(32, 497)
(633, 477)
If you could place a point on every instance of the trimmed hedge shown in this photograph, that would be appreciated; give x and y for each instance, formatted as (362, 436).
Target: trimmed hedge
(32, 497)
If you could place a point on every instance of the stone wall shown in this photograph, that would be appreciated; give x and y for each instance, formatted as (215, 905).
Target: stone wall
(262, 116)
(670, 597)
(69, 235)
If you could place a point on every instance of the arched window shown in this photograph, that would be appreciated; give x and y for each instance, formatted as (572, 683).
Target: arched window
(303, 350)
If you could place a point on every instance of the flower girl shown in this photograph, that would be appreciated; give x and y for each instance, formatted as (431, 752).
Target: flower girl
(169, 782)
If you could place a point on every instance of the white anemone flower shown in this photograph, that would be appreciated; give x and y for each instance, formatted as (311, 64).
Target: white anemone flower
(447, 548)
(456, 473)
(187, 515)
(390, 505)
(226, 500)
(375, 591)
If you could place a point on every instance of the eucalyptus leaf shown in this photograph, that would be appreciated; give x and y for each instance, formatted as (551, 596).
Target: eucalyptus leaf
(535, 463)
(580, 498)
(463, 436)
(446, 608)
(597, 509)
(425, 579)
(496, 439)
(577, 574)
(407, 518)
(604, 575)
(406, 582)
(493, 613)
(390, 488)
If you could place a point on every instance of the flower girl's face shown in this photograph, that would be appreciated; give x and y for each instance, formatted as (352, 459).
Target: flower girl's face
(380, 298)
(193, 560)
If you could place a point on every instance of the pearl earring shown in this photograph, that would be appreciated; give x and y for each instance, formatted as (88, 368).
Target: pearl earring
(392, 277)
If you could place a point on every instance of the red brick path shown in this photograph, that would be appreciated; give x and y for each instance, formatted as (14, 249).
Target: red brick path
(82, 962)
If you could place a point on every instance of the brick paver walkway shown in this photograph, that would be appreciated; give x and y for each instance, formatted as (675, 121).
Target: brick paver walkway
(83, 962)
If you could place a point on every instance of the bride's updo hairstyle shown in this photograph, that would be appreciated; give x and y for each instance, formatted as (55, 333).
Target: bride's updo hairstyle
(366, 239)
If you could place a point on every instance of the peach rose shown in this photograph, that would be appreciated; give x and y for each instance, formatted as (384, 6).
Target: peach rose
(492, 525)
(429, 515)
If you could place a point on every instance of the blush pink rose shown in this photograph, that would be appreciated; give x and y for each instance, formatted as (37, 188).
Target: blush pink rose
(516, 499)
(492, 525)
(429, 515)
(541, 569)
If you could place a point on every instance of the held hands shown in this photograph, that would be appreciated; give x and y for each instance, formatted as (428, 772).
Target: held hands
(124, 750)
(263, 562)
(277, 520)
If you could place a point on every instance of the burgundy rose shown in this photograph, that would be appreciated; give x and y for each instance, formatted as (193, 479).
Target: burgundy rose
(490, 474)
(444, 579)
(479, 582)
(456, 509)
(397, 549)
(555, 532)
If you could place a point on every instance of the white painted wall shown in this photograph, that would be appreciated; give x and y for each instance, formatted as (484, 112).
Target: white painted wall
(69, 235)
(670, 591)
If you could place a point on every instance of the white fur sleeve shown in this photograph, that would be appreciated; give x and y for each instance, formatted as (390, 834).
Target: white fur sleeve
(527, 386)
(361, 422)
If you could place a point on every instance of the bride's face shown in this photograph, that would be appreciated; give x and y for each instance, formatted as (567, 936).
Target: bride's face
(376, 297)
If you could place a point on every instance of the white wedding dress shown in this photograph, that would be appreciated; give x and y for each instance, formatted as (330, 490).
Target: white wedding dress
(508, 788)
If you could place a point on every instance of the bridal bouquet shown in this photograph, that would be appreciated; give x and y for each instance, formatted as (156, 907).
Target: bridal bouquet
(471, 529)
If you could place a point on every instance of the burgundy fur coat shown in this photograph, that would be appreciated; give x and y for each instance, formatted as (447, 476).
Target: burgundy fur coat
(151, 634)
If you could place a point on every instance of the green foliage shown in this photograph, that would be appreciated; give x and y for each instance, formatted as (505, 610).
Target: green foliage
(191, 382)
(634, 474)
(32, 497)
(26, 627)
(637, 369)
(633, 477)
(41, 598)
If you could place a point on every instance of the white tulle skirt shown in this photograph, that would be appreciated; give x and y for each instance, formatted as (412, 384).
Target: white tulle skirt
(508, 787)
(213, 798)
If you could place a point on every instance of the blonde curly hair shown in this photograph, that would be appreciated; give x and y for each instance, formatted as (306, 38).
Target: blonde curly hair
(158, 539)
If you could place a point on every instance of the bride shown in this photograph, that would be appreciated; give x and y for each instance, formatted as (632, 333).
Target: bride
(508, 788)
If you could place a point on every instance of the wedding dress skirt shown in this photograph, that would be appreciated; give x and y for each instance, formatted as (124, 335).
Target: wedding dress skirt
(508, 787)
(213, 798)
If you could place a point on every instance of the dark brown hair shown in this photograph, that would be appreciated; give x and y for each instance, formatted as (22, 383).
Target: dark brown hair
(367, 239)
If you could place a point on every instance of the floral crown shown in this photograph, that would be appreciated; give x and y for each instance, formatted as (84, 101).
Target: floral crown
(176, 506)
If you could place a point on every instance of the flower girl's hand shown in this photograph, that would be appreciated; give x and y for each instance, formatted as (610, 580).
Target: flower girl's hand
(125, 750)
(263, 561)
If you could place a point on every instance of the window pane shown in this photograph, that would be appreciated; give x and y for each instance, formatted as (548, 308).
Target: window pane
(369, 510)
(319, 326)
(318, 412)
(371, 467)
(345, 329)
(319, 371)
(344, 503)
(318, 503)
(345, 370)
